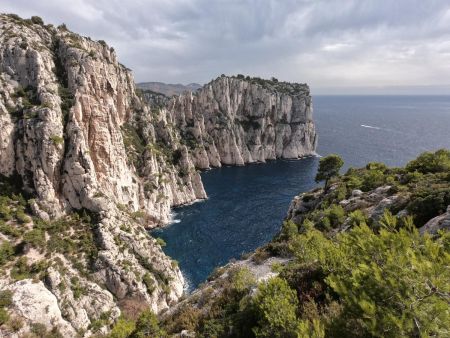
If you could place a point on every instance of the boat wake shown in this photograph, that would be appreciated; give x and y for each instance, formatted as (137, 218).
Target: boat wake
(370, 127)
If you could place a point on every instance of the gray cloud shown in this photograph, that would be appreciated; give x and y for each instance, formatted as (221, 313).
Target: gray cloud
(341, 44)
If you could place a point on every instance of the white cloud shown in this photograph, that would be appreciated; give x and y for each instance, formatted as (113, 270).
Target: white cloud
(327, 43)
(336, 47)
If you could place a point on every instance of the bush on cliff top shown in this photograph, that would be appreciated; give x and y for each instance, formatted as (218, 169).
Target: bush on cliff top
(37, 20)
(430, 162)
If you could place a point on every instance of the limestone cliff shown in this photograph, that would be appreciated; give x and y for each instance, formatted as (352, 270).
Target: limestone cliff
(238, 120)
(75, 136)
(73, 118)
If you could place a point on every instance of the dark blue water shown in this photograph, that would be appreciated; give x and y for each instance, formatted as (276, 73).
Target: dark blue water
(246, 205)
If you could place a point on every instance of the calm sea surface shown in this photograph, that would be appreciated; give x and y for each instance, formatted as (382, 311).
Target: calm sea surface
(246, 205)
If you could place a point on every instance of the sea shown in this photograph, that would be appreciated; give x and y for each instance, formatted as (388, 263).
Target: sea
(246, 205)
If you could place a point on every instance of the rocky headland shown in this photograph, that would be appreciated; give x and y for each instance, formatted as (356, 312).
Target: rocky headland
(239, 120)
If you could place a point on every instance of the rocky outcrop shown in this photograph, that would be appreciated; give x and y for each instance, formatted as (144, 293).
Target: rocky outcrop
(371, 203)
(32, 300)
(237, 120)
(434, 225)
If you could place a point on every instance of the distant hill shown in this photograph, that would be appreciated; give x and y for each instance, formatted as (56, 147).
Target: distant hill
(167, 88)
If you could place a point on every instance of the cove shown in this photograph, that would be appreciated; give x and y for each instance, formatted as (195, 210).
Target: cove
(244, 209)
(246, 205)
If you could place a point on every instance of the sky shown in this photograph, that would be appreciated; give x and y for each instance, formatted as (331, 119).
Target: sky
(336, 46)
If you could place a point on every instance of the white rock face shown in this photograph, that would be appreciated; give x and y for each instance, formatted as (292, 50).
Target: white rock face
(81, 311)
(34, 303)
(6, 143)
(66, 157)
(140, 252)
(64, 104)
(235, 121)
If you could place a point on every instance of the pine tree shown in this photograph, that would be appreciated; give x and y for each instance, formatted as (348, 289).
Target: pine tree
(329, 167)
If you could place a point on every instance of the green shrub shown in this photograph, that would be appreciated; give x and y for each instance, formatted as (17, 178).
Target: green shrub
(35, 237)
(134, 144)
(67, 98)
(332, 217)
(137, 215)
(46, 105)
(57, 140)
(394, 281)
(77, 289)
(37, 20)
(21, 269)
(161, 242)
(40, 330)
(336, 215)
(353, 181)
(308, 329)
(54, 333)
(429, 162)
(288, 230)
(15, 324)
(147, 325)
(340, 192)
(176, 156)
(96, 325)
(276, 306)
(428, 203)
(5, 212)
(20, 199)
(412, 177)
(22, 217)
(29, 96)
(149, 282)
(357, 217)
(213, 328)
(4, 316)
(6, 252)
(243, 280)
(9, 230)
(372, 179)
(14, 17)
(187, 318)
(5, 298)
(122, 328)
(376, 166)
